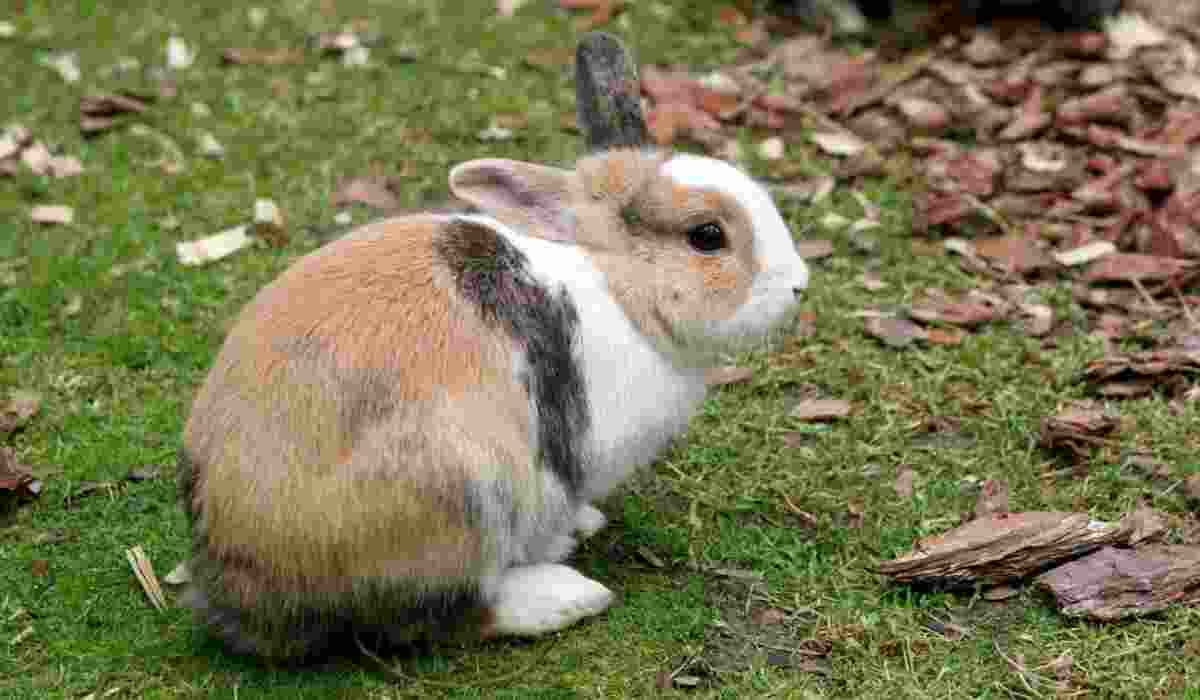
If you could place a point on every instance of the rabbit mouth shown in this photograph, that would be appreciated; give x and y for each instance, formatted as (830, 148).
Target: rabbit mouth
(759, 324)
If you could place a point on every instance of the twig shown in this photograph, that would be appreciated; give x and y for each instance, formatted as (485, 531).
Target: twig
(1154, 305)
(1022, 672)
(1184, 305)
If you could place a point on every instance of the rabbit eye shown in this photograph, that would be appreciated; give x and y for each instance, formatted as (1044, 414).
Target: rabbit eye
(707, 238)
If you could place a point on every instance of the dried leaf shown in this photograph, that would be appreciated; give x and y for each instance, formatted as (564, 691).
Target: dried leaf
(16, 411)
(1079, 427)
(268, 222)
(376, 191)
(905, 480)
(992, 499)
(144, 571)
(1124, 267)
(56, 214)
(15, 478)
(260, 57)
(212, 248)
(1089, 252)
(1115, 584)
(1145, 524)
(821, 409)
(722, 376)
(895, 332)
(839, 143)
(1015, 253)
(813, 249)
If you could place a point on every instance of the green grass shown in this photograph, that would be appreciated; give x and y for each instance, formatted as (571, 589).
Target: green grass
(117, 375)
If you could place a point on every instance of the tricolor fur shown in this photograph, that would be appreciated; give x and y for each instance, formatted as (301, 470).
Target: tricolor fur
(404, 433)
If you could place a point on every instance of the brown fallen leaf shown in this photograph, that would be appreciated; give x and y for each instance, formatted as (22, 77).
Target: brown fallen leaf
(821, 410)
(839, 143)
(1017, 254)
(768, 616)
(992, 499)
(956, 313)
(905, 480)
(1000, 549)
(15, 479)
(1115, 584)
(268, 222)
(1125, 267)
(895, 332)
(1168, 367)
(17, 409)
(721, 376)
(813, 249)
(996, 594)
(100, 112)
(262, 57)
(1078, 427)
(375, 191)
(1145, 524)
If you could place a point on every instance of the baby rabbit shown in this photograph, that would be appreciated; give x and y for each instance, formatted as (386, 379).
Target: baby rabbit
(404, 433)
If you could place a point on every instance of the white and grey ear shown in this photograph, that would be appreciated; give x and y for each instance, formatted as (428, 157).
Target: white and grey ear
(536, 195)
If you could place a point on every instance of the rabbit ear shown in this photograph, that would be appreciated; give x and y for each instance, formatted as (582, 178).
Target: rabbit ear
(535, 197)
(608, 101)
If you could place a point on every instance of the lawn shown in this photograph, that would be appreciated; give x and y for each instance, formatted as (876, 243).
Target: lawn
(743, 559)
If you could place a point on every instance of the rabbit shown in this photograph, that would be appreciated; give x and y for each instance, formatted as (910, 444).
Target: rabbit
(1060, 14)
(404, 435)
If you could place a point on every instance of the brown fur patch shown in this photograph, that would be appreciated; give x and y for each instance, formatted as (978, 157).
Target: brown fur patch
(336, 437)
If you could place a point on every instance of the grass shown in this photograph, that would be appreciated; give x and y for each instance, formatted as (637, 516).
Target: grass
(116, 376)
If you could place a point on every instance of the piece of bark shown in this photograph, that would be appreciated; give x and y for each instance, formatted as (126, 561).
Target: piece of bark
(1114, 584)
(997, 549)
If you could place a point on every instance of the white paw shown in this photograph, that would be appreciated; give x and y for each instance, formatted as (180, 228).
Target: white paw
(589, 520)
(535, 600)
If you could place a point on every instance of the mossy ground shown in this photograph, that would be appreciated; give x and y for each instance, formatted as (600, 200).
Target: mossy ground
(117, 373)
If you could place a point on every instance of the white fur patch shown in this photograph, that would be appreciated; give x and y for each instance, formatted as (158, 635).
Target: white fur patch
(589, 520)
(638, 401)
(535, 600)
(772, 294)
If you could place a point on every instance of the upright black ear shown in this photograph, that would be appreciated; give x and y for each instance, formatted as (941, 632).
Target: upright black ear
(608, 102)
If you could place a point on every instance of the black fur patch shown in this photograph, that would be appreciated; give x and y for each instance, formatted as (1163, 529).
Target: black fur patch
(493, 275)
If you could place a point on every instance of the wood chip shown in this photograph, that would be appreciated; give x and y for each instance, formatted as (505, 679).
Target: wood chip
(999, 549)
(144, 571)
(1116, 584)
(821, 410)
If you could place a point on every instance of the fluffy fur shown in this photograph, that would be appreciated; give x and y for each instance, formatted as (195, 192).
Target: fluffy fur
(404, 433)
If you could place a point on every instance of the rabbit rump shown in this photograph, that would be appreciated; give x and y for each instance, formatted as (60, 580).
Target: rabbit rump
(403, 435)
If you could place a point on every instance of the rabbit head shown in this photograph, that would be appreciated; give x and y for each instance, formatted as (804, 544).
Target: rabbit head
(695, 251)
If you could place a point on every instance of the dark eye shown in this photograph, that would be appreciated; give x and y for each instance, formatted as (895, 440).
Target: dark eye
(707, 238)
